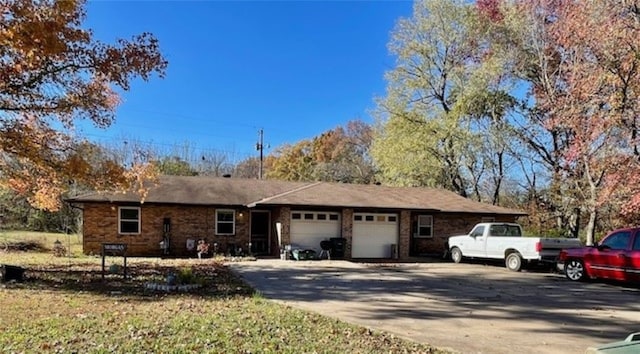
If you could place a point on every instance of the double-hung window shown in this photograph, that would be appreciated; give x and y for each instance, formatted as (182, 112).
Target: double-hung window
(225, 222)
(129, 220)
(425, 226)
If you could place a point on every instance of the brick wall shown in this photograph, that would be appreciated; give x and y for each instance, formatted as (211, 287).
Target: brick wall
(100, 225)
(347, 231)
(404, 243)
(445, 225)
(198, 222)
(283, 216)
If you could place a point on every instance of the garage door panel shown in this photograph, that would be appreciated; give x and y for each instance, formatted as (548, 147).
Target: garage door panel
(373, 235)
(308, 233)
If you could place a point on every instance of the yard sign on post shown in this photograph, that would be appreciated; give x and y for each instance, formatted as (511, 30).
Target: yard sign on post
(114, 249)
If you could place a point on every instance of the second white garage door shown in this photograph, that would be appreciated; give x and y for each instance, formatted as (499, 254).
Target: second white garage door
(309, 228)
(373, 235)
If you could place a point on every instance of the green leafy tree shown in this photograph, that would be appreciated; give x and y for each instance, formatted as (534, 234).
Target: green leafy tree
(174, 166)
(443, 122)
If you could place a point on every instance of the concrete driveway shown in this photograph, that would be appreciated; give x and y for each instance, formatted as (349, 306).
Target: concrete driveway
(468, 308)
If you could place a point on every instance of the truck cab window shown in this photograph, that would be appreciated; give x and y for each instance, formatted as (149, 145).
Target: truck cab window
(513, 230)
(497, 230)
(478, 231)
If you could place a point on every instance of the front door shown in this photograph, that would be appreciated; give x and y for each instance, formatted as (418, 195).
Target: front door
(260, 235)
(633, 260)
(475, 243)
(608, 260)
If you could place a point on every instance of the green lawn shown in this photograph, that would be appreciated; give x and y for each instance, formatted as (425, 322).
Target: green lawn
(65, 306)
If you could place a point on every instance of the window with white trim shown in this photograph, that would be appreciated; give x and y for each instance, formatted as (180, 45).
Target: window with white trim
(225, 222)
(129, 220)
(425, 226)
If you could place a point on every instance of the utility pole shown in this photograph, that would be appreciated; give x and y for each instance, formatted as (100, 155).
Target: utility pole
(260, 147)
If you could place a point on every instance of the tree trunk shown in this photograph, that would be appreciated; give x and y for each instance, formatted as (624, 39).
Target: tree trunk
(574, 223)
(591, 225)
(498, 179)
(592, 206)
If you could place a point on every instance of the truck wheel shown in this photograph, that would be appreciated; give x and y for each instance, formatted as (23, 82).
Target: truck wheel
(574, 270)
(456, 255)
(514, 262)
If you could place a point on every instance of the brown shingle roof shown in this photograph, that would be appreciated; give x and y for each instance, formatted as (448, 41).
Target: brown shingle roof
(199, 191)
(383, 197)
(253, 193)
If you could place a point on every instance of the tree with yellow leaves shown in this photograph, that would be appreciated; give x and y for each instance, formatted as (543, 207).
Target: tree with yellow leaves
(53, 73)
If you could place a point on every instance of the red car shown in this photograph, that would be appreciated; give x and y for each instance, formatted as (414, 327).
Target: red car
(616, 257)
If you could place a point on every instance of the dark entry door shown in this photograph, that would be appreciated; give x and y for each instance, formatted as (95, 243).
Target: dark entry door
(260, 222)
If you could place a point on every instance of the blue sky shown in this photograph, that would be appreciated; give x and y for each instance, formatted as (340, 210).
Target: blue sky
(292, 68)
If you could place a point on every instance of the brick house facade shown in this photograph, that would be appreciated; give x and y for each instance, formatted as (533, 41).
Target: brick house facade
(250, 216)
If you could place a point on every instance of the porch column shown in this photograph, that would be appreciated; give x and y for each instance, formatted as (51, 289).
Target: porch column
(284, 217)
(347, 230)
(404, 242)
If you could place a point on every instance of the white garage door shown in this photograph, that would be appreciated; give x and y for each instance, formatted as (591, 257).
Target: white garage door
(309, 228)
(373, 235)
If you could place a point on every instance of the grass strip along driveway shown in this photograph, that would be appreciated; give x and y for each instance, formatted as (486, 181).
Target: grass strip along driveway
(64, 305)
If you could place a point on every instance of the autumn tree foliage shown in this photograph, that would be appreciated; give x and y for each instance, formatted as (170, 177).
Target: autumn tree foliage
(580, 60)
(600, 101)
(542, 92)
(337, 155)
(52, 73)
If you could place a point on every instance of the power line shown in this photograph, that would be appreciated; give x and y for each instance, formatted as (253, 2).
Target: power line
(157, 145)
(192, 118)
(204, 120)
(189, 134)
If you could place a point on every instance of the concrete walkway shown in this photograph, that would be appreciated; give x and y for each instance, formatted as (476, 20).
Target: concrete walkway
(468, 308)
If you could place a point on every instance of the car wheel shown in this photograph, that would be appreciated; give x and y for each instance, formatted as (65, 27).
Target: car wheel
(514, 262)
(456, 255)
(574, 270)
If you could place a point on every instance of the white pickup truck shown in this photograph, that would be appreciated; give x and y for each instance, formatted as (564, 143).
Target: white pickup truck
(505, 241)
